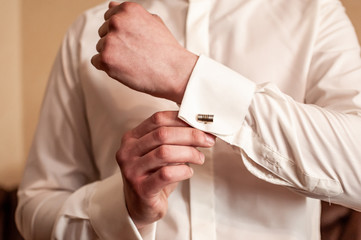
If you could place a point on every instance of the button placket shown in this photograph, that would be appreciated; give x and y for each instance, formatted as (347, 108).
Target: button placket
(202, 201)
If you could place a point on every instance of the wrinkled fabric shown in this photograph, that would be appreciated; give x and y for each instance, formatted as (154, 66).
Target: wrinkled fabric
(282, 79)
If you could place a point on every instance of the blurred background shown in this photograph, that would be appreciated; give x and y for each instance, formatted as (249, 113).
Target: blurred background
(31, 32)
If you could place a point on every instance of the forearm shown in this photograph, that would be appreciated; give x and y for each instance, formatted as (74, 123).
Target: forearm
(96, 210)
(309, 148)
(35, 216)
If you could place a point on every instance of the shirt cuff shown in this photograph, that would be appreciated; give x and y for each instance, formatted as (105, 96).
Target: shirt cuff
(109, 215)
(214, 89)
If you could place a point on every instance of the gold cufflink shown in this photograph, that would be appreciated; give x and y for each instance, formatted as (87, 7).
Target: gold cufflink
(205, 118)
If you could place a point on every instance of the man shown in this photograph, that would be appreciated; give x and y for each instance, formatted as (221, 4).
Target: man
(286, 118)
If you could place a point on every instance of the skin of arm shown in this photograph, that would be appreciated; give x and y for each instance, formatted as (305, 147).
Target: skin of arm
(149, 59)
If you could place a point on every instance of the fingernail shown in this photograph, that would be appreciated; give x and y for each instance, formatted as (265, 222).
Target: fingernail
(210, 140)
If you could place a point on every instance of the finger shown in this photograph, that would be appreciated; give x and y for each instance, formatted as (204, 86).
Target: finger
(113, 4)
(182, 136)
(95, 61)
(167, 155)
(103, 30)
(166, 118)
(113, 8)
(166, 176)
(100, 45)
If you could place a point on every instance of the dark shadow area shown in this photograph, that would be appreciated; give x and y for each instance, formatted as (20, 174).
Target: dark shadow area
(8, 202)
(340, 223)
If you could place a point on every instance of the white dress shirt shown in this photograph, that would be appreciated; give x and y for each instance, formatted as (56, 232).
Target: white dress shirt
(283, 81)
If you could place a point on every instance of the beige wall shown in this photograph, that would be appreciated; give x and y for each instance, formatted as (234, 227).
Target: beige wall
(11, 134)
(31, 32)
(353, 9)
(44, 24)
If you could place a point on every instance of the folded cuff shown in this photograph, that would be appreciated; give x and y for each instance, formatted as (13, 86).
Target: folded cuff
(108, 212)
(214, 89)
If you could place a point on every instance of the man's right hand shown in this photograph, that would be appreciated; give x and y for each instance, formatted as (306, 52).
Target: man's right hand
(138, 50)
(153, 159)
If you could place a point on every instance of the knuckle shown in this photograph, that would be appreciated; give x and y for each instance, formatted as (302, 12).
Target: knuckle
(121, 157)
(163, 152)
(100, 31)
(126, 137)
(161, 134)
(100, 45)
(158, 118)
(165, 174)
(130, 6)
(124, 154)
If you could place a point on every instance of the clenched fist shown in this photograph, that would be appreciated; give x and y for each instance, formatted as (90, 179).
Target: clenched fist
(138, 50)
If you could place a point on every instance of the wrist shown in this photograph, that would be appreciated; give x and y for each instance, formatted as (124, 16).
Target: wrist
(183, 70)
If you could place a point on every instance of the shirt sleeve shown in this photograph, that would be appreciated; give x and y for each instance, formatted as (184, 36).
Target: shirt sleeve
(61, 195)
(311, 147)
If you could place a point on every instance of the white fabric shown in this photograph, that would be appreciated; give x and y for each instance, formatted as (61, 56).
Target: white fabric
(287, 116)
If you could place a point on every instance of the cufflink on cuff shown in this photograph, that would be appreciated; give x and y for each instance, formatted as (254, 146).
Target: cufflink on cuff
(205, 118)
